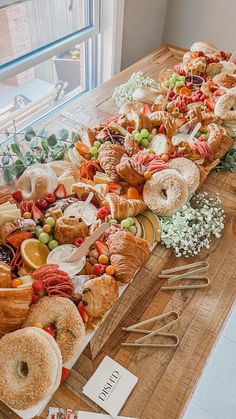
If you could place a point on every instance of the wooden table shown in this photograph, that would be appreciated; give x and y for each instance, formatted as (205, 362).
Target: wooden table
(167, 377)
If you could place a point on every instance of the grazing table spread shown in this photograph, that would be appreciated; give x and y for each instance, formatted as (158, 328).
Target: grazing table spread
(166, 376)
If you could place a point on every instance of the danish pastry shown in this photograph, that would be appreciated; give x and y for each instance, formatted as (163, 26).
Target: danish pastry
(130, 170)
(109, 156)
(67, 229)
(99, 295)
(162, 117)
(123, 208)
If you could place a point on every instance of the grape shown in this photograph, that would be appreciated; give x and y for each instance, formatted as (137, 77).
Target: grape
(167, 83)
(112, 221)
(198, 134)
(179, 83)
(125, 223)
(132, 229)
(51, 221)
(182, 78)
(138, 137)
(44, 238)
(144, 142)
(97, 144)
(38, 232)
(150, 137)
(144, 133)
(131, 221)
(108, 142)
(93, 150)
(51, 237)
(52, 244)
(134, 132)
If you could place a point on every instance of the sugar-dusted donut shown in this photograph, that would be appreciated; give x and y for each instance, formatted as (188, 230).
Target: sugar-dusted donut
(188, 170)
(63, 314)
(226, 107)
(166, 192)
(30, 367)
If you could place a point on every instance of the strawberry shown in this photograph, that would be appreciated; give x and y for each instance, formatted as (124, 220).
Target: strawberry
(29, 205)
(38, 287)
(130, 129)
(51, 329)
(78, 241)
(17, 195)
(35, 298)
(103, 212)
(60, 191)
(99, 269)
(210, 104)
(189, 85)
(50, 198)
(146, 109)
(65, 372)
(83, 312)
(42, 204)
(181, 121)
(37, 215)
(115, 187)
(162, 130)
(102, 248)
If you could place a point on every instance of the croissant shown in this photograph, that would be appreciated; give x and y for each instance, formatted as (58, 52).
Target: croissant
(83, 189)
(99, 295)
(131, 146)
(14, 308)
(162, 117)
(109, 156)
(123, 208)
(67, 229)
(131, 171)
(127, 254)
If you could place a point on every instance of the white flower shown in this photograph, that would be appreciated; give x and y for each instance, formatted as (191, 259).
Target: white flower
(124, 92)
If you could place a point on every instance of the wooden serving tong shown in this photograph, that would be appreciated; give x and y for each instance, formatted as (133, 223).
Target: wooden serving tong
(150, 333)
(191, 274)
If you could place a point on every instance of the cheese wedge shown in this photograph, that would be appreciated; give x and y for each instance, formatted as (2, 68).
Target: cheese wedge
(101, 178)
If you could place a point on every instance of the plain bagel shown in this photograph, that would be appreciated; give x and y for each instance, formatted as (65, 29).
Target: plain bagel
(226, 107)
(62, 313)
(188, 170)
(165, 193)
(30, 367)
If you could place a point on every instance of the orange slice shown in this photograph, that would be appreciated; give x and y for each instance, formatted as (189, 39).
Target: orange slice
(34, 253)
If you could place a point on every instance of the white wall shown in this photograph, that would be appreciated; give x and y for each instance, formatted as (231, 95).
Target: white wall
(206, 20)
(143, 28)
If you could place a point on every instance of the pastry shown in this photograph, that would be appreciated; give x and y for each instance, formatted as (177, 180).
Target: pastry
(109, 156)
(225, 108)
(214, 136)
(131, 146)
(122, 208)
(15, 226)
(131, 171)
(162, 117)
(83, 189)
(99, 295)
(6, 194)
(14, 307)
(64, 169)
(30, 367)
(5, 275)
(37, 181)
(127, 254)
(63, 314)
(188, 170)
(161, 144)
(139, 120)
(67, 229)
(165, 193)
(209, 117)
(213, 69)
(225, 80)
(146, 94)
(203, 46)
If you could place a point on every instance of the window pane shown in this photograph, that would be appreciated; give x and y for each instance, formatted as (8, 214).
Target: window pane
(42, 86)
(31, 24)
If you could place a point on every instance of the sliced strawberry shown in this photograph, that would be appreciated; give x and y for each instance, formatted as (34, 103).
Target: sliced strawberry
(37, 215)
(210, 104)
(181, 121)
(60, 191)
(115, 187)
(17, 195)
(65, 372)
(146, 109)
(102, 248)
(83, 312)
(29, 205)
(162, 129)
(23, 207)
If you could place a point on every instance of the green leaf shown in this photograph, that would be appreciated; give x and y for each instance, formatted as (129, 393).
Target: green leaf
(16, 149)
(52, 140)
(7, 174)
(29, 133)
(45, 147)
(42, 133)
(5, 159)
(18, 168)
(29, 158)
(63, 134)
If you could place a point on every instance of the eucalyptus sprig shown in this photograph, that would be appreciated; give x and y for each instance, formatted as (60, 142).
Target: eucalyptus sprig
(228, 163)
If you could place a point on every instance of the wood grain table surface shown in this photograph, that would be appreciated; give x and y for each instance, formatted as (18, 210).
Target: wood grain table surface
(167, 377)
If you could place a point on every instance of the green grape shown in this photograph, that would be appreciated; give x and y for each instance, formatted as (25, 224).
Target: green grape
(125, 223)
(93, 150)
(132, 229)
(150, 137)
(131, 221)
(144, 142)
(108, 142)
(138, 137)
(97, 144)
(112, 221)
(51, 221)
(198, 134)
(44, 238)
(179, 83)
(52, 244)
(167, 83)
(38, 232)
(134, 132)
(144, 133)
(51, 237)
(182, 78)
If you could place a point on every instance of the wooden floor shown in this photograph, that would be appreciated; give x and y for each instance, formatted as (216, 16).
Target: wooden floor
(167, 377)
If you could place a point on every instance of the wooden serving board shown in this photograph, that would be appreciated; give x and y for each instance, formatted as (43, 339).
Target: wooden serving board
(167, 377)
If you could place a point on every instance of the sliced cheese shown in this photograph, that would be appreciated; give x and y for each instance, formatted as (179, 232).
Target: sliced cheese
(102, 188)
(101, 178)
(15, 212)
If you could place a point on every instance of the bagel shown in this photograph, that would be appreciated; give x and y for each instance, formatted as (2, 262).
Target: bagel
(36, 182)
(215, 135)
(203, 46)
(226, 107)
(64, 169)
(188, 170)
(30, 367)
(62, 313)
(165, 193)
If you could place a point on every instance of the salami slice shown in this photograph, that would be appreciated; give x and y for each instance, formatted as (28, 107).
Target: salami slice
(37, 274)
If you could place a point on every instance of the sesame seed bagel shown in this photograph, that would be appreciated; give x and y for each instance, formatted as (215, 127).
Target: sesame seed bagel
(165, 193)
(30, 367)
(62, 313)
(188, 170)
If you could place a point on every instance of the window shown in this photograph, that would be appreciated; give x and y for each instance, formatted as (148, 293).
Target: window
(47, 54)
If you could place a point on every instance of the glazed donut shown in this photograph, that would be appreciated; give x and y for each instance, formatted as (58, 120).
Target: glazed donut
(165, 193)
(64, 169)
(37, 181)
(188, 170)
(67, 229)
(30, 367)
(226, 107)
(62, 313)
(162, 117)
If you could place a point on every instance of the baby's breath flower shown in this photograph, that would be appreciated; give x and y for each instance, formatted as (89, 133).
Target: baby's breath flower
(190, 229)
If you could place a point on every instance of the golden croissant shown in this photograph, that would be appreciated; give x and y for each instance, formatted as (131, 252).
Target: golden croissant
(109, 156)
(131, 145)
(123, 208)
(131, 171)
(14, 308)
(99, 295)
